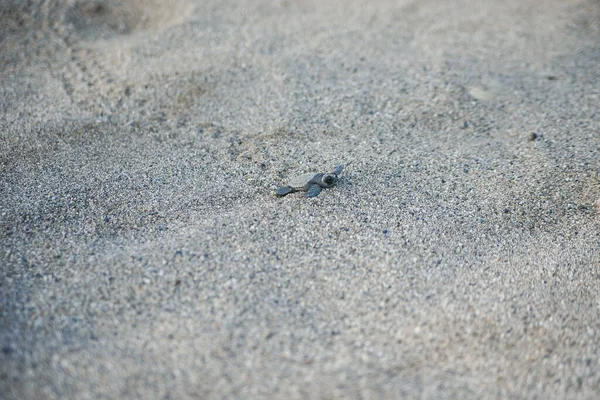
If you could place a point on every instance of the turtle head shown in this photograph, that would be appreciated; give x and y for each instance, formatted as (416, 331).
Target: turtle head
(328, 180)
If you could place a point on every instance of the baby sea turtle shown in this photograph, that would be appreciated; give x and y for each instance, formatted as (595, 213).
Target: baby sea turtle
(311, 183)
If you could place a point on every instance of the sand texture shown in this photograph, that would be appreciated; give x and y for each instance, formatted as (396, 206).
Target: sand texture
(144, 255)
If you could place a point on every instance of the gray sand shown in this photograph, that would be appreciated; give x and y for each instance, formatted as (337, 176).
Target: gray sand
(143, 254)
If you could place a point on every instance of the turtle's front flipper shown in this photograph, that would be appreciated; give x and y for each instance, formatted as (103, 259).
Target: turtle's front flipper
(313, 190)
(283, 190)
(338, 170)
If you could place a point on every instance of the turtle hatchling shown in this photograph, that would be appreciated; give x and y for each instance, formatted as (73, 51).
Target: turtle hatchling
(311, 183)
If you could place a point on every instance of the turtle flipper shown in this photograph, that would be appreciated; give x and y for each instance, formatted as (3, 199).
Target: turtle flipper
(283, 190)
(313, 190)
(338, 170)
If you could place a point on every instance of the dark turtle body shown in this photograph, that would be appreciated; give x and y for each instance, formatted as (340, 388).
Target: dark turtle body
(311, 183)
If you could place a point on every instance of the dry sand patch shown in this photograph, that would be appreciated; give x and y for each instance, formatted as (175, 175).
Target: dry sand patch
(143, 254)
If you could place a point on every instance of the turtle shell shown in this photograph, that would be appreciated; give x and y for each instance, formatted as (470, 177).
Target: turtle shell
(300, 181)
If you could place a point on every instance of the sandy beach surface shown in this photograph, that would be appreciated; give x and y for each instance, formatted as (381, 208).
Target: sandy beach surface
(144, 255)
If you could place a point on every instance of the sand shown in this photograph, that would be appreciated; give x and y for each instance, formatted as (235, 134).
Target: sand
(144, 255)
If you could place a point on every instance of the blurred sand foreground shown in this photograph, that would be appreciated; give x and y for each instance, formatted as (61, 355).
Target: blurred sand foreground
(143, 254)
